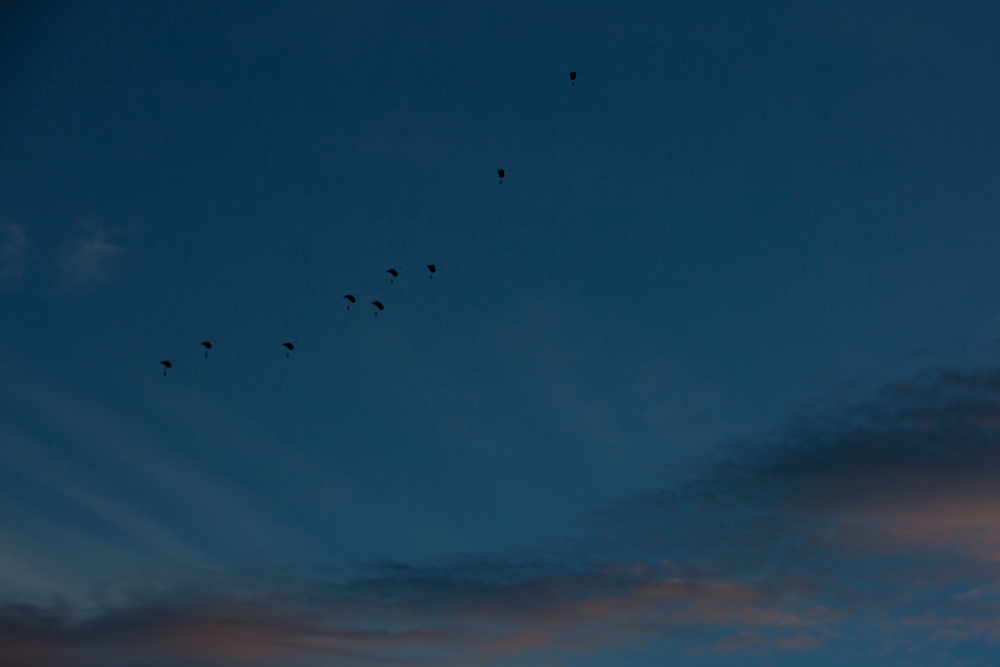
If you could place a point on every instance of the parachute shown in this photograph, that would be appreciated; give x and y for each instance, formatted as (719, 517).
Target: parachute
(379, 306)
(351, 299)
(433, 269)
(289, 347)
(207, 344)
(572, 77)
(501, 173)
(166, 365)
(394, 273)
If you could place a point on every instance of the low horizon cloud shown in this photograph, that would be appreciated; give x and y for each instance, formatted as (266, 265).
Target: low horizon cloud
(871, 525)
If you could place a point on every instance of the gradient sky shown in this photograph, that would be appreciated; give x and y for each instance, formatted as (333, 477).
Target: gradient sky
(712, 378)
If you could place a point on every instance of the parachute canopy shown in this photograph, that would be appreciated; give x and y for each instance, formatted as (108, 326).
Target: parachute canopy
(378, 304)
(572, 77)
(394, 273)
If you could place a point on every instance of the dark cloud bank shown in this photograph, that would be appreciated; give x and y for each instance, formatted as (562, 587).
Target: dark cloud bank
(862, 527)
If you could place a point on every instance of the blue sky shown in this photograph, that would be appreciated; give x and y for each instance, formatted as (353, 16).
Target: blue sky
(711, 378)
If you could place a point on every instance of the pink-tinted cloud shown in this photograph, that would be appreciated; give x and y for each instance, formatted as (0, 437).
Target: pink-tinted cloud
(465, 620)
(964, 521)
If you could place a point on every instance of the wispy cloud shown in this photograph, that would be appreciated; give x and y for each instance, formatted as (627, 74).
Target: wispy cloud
(415, 616)
(80, 498)
(13, 255)
(88, 259)
(870, 523)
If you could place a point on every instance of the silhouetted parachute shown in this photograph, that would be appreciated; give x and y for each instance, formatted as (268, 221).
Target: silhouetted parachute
(501, 173)
(378, 305)
(207, 344)
(394, 273)
(433, 269)
(351, 298)
(572, 77)
(289, 347)
(166, 365)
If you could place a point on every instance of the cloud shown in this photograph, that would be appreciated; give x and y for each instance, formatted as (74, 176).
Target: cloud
(914, 468)
(80, 497)
(747, 642)
(869, 523)
(445, 615)
(13, 253)
(88, 259)
(917, 466)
